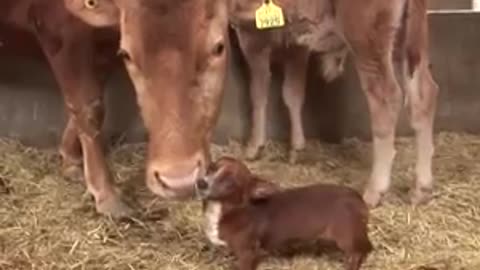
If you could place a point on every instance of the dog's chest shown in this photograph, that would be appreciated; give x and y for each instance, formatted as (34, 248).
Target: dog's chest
(213, 213)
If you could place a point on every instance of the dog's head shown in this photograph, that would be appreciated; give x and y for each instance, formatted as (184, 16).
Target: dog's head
(229, 180)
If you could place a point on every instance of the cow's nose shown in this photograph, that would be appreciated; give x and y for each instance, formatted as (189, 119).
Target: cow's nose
(202, 184)
(160, 180)
(174, 180)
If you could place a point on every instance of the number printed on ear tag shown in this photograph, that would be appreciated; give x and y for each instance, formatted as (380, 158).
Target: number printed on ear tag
(269, 15)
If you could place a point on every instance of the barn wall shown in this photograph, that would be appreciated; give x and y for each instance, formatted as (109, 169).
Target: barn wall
(31, 107)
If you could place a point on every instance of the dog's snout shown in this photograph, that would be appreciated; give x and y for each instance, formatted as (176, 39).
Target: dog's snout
(202, 184)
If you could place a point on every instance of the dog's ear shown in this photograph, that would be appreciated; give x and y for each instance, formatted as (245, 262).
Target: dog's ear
(261, 188)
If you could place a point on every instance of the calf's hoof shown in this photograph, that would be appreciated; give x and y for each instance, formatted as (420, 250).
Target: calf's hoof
(73, 173)
(372, 198)
(252, 152)
(420, 195)
(115, 207)
(294, 156)
(297, 148)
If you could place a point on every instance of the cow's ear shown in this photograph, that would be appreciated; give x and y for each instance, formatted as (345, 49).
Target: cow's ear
(262, 189)
(99, 13)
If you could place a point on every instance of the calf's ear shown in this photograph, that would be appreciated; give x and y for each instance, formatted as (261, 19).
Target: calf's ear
(99, 13)
(261, 188)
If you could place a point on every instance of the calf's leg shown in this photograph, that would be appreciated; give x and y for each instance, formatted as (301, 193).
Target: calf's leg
(293, 93)
(371, 34)
(70, 53)
(384, 101)
(422, 94)
(374, 63)
(383, 95)
(257, 55)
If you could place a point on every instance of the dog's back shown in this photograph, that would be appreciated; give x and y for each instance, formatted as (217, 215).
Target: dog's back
(324, 211)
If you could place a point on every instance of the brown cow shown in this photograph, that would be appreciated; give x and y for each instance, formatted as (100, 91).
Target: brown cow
(381, 35)
(176, 55)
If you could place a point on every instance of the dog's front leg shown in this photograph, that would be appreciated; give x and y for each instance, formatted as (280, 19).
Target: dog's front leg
(246, 261)
(246, 253)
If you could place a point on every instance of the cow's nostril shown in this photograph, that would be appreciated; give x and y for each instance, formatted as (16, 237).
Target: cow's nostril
(202, 184)
(160, 180)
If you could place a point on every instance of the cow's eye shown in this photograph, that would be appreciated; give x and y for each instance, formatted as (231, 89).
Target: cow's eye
(219, 48)
(124, 54)
(91, 4)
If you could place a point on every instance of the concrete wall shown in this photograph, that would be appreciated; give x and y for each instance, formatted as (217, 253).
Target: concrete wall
(31, 108)
(450, 4)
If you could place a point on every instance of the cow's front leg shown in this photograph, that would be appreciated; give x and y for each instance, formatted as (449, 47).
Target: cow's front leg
(70, 147)
(293, 92)
(71, 56)
(257, 56)
(71, 151)
(83, 96)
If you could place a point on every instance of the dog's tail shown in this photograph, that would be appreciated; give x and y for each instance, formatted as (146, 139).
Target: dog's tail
(364, 244)
(358, 218)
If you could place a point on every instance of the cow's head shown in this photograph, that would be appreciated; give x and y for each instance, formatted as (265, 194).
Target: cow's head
(175, 52)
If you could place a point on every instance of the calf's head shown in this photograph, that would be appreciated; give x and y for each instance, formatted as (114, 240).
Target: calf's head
(175, 52)
(230, 181)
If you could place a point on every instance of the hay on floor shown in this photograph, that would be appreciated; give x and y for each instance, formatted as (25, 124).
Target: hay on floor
(47, 222)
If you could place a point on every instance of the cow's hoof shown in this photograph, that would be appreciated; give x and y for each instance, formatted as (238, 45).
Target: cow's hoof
(115, 207)
(419, 196)
(372, 198)
(73, 173)
(252, 152)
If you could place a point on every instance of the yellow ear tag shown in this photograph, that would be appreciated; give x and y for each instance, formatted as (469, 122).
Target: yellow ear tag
(269, 15)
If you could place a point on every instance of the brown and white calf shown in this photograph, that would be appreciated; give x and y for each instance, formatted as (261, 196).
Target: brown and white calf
(252, 216)
(384, 37)
(175, 53)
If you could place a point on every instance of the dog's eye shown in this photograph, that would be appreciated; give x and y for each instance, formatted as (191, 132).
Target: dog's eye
(124, 54)
(211, 168)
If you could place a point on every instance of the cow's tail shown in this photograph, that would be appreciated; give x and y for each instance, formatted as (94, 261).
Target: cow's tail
(412, 41)
(414, 35)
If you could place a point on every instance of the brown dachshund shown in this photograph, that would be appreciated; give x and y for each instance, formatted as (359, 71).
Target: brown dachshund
(251, 216)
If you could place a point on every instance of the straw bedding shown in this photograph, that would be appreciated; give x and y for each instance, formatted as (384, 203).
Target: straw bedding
(47, 222)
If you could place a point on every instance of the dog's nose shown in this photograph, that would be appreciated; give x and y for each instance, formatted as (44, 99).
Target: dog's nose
(202, 184)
